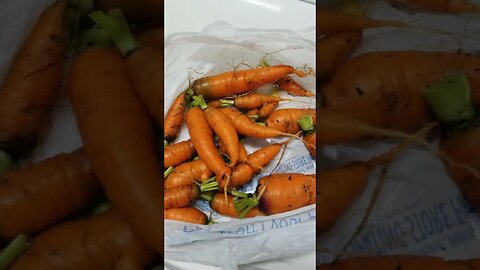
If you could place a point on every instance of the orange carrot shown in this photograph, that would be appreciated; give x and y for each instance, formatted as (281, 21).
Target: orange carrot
(286, 120)
(215, 104)
(186, 214)
(31, 86)
(180, 196)
(253, 113)
(102, 241)
(255, 100)
(310, 142)
(38, 195)
(202, 138)
(334, 49)
(266, 110)
(227, 208)
(186, 173)
(174, 118)
(293, 88)
(242, 152)
(449, 6)
(240, 81)
(177, 153)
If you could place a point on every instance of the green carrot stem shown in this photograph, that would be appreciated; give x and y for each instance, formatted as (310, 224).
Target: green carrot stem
(168, 171)
(263, 63)
(227, 102)
(253, 117)
(209, 185)
(11, 252)
(260, 123)
(306, 123)
(199, 101)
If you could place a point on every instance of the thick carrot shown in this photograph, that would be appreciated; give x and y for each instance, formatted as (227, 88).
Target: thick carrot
(292, 87)
(310, 143)
(186, 173)
(178, 153)
(202, 138)
(286, 120)
(186, 214)
(146, 71)
(36, 196)
(174, 118)
(286, 191)
(31, 86)
(227, 208)
(118, 140)
(224, 129)
(245, 126)
(181, 196)
(151, 37)
(464, 148)
(243, 173)
(334, 49)
(331, 21)
(240, 81)
(266, 110)
(385, 88)
(403, 262)
(449, 6)
(103, 241)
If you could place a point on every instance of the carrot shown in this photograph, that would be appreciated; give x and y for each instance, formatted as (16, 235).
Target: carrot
(186, 173)
(227, 207)
(240, 81)
(266, 110)
(186, 214)
(31, 85)
(243, 173)
(310, 143)
(252, 101)
(293, 88)
(242, 152)
(181, 196)
(334, 49)
(286, 120)
(404, 262)
(118, 140)
(202, 138)
(38, 195)
(177, 153)
(102, 241)
(151, 37)
(224, 129)
(174, 118)
(449, 6)
(215, 103)
(385, 88)
(464, 148)
(286, 191)
(146, 71)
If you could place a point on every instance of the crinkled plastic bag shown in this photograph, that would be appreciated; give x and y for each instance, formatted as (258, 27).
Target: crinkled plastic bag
(232, 242)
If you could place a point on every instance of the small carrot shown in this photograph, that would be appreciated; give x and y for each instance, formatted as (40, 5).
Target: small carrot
(186, 173)
(251, 101)
(174, 117)
(227, 208)
(292, 87)
(177, 153)
(202, 138)
(253, 113)
(180, 196)
(242, 152)
(334, 49)
(286, 120)
(186, 214)
(240, 81)
(310, 143)
(449, 6)
(266, 110)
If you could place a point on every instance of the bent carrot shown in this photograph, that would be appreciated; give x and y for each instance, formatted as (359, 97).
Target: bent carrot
(177, 153)
(227, 208)
(102, 241)
(334, 49)
(292, 87)
(181, 196)
(186, 214)
(118, 140)
(145, 67)
(266, 110)
(174, 118)
(286, 120)
(31, 85)
(242, 152)
(38, 195)
(240, 81)
(246, 127)
(185, 174)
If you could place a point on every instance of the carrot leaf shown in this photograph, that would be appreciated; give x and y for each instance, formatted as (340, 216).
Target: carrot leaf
(260, 123)
(198, 101)
(306, 123)
(210, 185)
(450, 98)
(207, 196)
(168, 171)
(11, 252)
(244, 202)
(253, 117)
(5, 163)
(227, 102)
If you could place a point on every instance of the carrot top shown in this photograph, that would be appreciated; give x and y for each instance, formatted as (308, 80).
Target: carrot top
(244, 202)
(306, 124)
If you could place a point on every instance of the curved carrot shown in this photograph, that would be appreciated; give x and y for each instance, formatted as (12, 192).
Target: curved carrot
(146, 71)
(186, 173)
(255, 100)
(242, 152)
(36, 196)
(202, 138)
(334, 49)
(174, 118)
(118, 140)
(286, 191)
(286, 120)
(224, 129)
(186, 214)
(266, 110)
(240, 81)
(103, 241)
(181, 196)
(227, 208)
(449, 6)
(177, 153)
(246, 127)
(31, 85)
(293, 88)
(310, 141)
